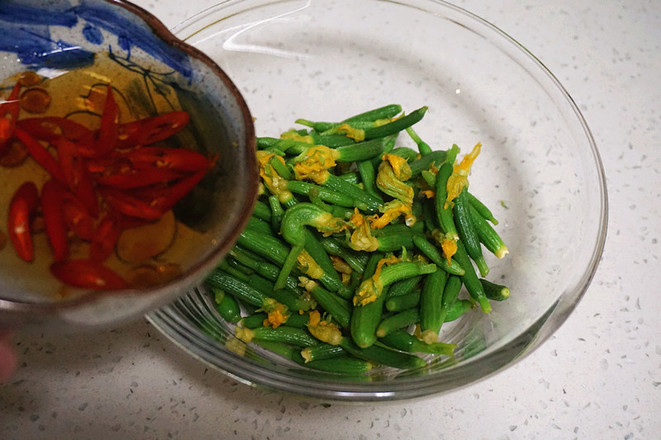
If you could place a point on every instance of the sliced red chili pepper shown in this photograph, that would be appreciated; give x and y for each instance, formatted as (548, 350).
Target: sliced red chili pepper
(22, 208)
(48, 128)
(40, 154)
(105, 236)
(14, 155)
(164, 198)
(107, 135)
(129, 205)
(112, 164)
(77, 218)
(138, 178)
(52, 195)
(178, 159)
(8, 116)
(76, 175)
(87, 274)
(149, 130)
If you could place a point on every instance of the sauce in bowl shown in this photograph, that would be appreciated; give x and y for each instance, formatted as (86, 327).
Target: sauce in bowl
(89, 181)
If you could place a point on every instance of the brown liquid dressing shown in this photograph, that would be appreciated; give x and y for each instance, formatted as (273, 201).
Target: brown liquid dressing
(80, 95)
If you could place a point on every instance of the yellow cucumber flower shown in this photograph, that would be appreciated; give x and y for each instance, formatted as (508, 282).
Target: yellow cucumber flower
(294, 136)
(278, 313)
(271, 179)
(323, 330)
(370, 289)
(458, 180)
(391, 211)
(308, 266)
(361, 237)
(400, 166)
(314, 164)
(244, 334)
(428, 193)
(356, 134)
(449, 248)
(390, 184)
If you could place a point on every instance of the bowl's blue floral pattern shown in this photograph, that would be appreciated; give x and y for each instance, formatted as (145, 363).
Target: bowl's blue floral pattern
(65, 34)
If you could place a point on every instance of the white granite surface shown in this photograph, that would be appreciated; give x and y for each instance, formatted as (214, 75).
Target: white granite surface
(598, 377)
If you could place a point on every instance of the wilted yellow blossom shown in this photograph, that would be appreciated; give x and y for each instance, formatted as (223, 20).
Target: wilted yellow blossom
(356, 134)
(449, 247)
(361, 237)
(370, 289)
(314, 164)
(458, 180)
(277, 313)
(308, 266)
(391, 211)
(294, 136)
(271, 179)
(390, 184)
(323, 330)
(400, 166)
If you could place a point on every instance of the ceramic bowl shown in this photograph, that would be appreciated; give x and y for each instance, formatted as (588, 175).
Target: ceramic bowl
(83, 46)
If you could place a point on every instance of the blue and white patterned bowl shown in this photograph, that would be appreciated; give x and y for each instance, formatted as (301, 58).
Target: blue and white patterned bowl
(116, 42)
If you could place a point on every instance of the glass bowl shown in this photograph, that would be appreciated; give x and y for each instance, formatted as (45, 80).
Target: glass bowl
(83, 47)
(539, 168)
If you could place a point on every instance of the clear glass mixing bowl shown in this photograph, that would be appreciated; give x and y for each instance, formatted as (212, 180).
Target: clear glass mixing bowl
(539, 169)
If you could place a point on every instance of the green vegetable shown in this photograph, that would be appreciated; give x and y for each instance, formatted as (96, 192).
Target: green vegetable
(355, 260)
(467, 232)
(425, 162)
(487, 234)
(401, 340)
(324, 194)
(352, 243)
(219, 279)
(322, 351)
(403, 287)
(431, 298)
(287, 335)
(444, 209)
(398, 320)
(395, 126)
(484, 211)
(423, 146)
(385, 112)
(226, 306)
(403, 302)
(370, 202)
(434, 255)
(293, 226)
(471, 280)
(262, 211)
(340, 365)
(259, 225)
(383, 355)
(494, 291)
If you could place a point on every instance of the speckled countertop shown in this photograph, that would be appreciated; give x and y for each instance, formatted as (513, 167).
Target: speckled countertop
(598, 377)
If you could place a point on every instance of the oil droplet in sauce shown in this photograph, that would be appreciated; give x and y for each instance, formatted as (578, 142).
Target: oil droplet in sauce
(35, 100)
(80, 95)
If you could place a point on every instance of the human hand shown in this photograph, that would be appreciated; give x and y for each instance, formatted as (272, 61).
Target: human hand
(8, 358)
